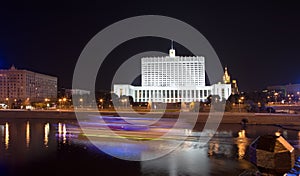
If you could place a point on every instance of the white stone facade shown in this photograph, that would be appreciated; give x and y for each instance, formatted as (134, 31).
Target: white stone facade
(173, 71)
(173, 79)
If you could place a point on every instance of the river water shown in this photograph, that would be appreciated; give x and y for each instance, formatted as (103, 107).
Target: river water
(52, 147)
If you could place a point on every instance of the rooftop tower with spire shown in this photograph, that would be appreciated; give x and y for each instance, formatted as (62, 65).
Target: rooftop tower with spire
(226, 77)
(172, 50)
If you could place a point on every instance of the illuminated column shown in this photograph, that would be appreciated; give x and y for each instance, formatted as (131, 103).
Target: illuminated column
(142, 94)
(174, 96)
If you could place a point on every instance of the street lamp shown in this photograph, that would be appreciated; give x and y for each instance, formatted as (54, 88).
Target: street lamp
(64, 102)
(46, 101)
(81, 102)
(101, 103)
(125, 103)
(276, 94)
(60, 100)
(7, 102)
(241, 99)
(240, 105)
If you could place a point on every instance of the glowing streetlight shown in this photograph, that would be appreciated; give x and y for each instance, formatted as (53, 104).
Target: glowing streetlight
(7, 99)
(64, 101)
(240, 105)
(60, 100)
(241, 99)
(47, 100)
(275, 94)
(81, 102)
(101, 103)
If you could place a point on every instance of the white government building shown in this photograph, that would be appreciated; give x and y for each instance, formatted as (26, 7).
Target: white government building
(172, 79)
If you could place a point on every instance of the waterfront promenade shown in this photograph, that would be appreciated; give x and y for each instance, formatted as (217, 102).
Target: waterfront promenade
(228, 117)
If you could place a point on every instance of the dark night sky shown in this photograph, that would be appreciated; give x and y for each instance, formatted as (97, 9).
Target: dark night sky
(258, 42)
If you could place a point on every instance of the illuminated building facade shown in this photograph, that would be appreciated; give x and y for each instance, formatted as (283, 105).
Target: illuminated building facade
(170, 72)
(226, 80)
(234, 87)
(226, 77)
(286, 89)
(79, 92)
(21, 85)
(172, 79)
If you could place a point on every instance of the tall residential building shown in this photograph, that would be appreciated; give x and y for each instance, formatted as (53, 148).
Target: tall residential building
(173, 79)
(21, 85)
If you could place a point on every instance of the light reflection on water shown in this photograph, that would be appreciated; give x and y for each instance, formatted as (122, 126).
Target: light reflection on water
(27, 134)
(299, 139)
(224, 154)
(242, 143)
(62, 132)
(6, 139)
(46, 134)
